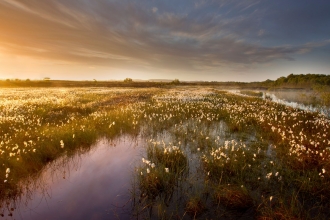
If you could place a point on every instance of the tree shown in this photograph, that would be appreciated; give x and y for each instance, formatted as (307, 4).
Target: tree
(128, 80)
(176, 81)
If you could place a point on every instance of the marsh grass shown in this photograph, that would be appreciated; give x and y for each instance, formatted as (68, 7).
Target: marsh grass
(170, 157)
(269, 161)
(233, 197)
(162, 171)
(195, 206)
(36, 129)
(209, 153)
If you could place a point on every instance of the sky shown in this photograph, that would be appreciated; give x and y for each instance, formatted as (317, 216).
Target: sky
(207, 40)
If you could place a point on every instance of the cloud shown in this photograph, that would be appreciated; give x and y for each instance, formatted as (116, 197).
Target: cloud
(261, 32)
(123, 34)
(154, 9)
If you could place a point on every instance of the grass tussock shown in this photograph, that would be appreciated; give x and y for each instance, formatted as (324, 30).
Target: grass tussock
(195, 206)
(161, 171)
(233, 197)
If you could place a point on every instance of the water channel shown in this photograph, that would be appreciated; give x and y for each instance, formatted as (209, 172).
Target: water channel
(305, 100)
(93, 185)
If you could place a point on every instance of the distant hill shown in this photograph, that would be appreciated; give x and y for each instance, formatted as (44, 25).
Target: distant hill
(160, 80)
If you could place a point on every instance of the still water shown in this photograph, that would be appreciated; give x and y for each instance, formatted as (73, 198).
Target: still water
(301, 99)
(93, 185)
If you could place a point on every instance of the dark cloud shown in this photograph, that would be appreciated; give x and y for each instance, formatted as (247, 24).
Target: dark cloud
(150, 35)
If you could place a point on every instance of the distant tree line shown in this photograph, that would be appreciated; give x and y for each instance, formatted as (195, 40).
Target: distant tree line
(308, 81)
(300, 81)
(303, 80)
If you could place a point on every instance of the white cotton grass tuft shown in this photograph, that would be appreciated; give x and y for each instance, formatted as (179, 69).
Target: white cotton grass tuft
(62, 144)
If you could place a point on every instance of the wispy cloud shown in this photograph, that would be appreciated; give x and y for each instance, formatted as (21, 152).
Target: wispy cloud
(125, 34)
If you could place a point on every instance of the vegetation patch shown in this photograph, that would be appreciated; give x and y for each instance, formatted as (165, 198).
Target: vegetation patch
(233, 197)
(209, 153)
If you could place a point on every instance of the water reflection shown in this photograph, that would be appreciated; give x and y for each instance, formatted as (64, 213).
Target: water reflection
(93, 185)
(301, 99)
